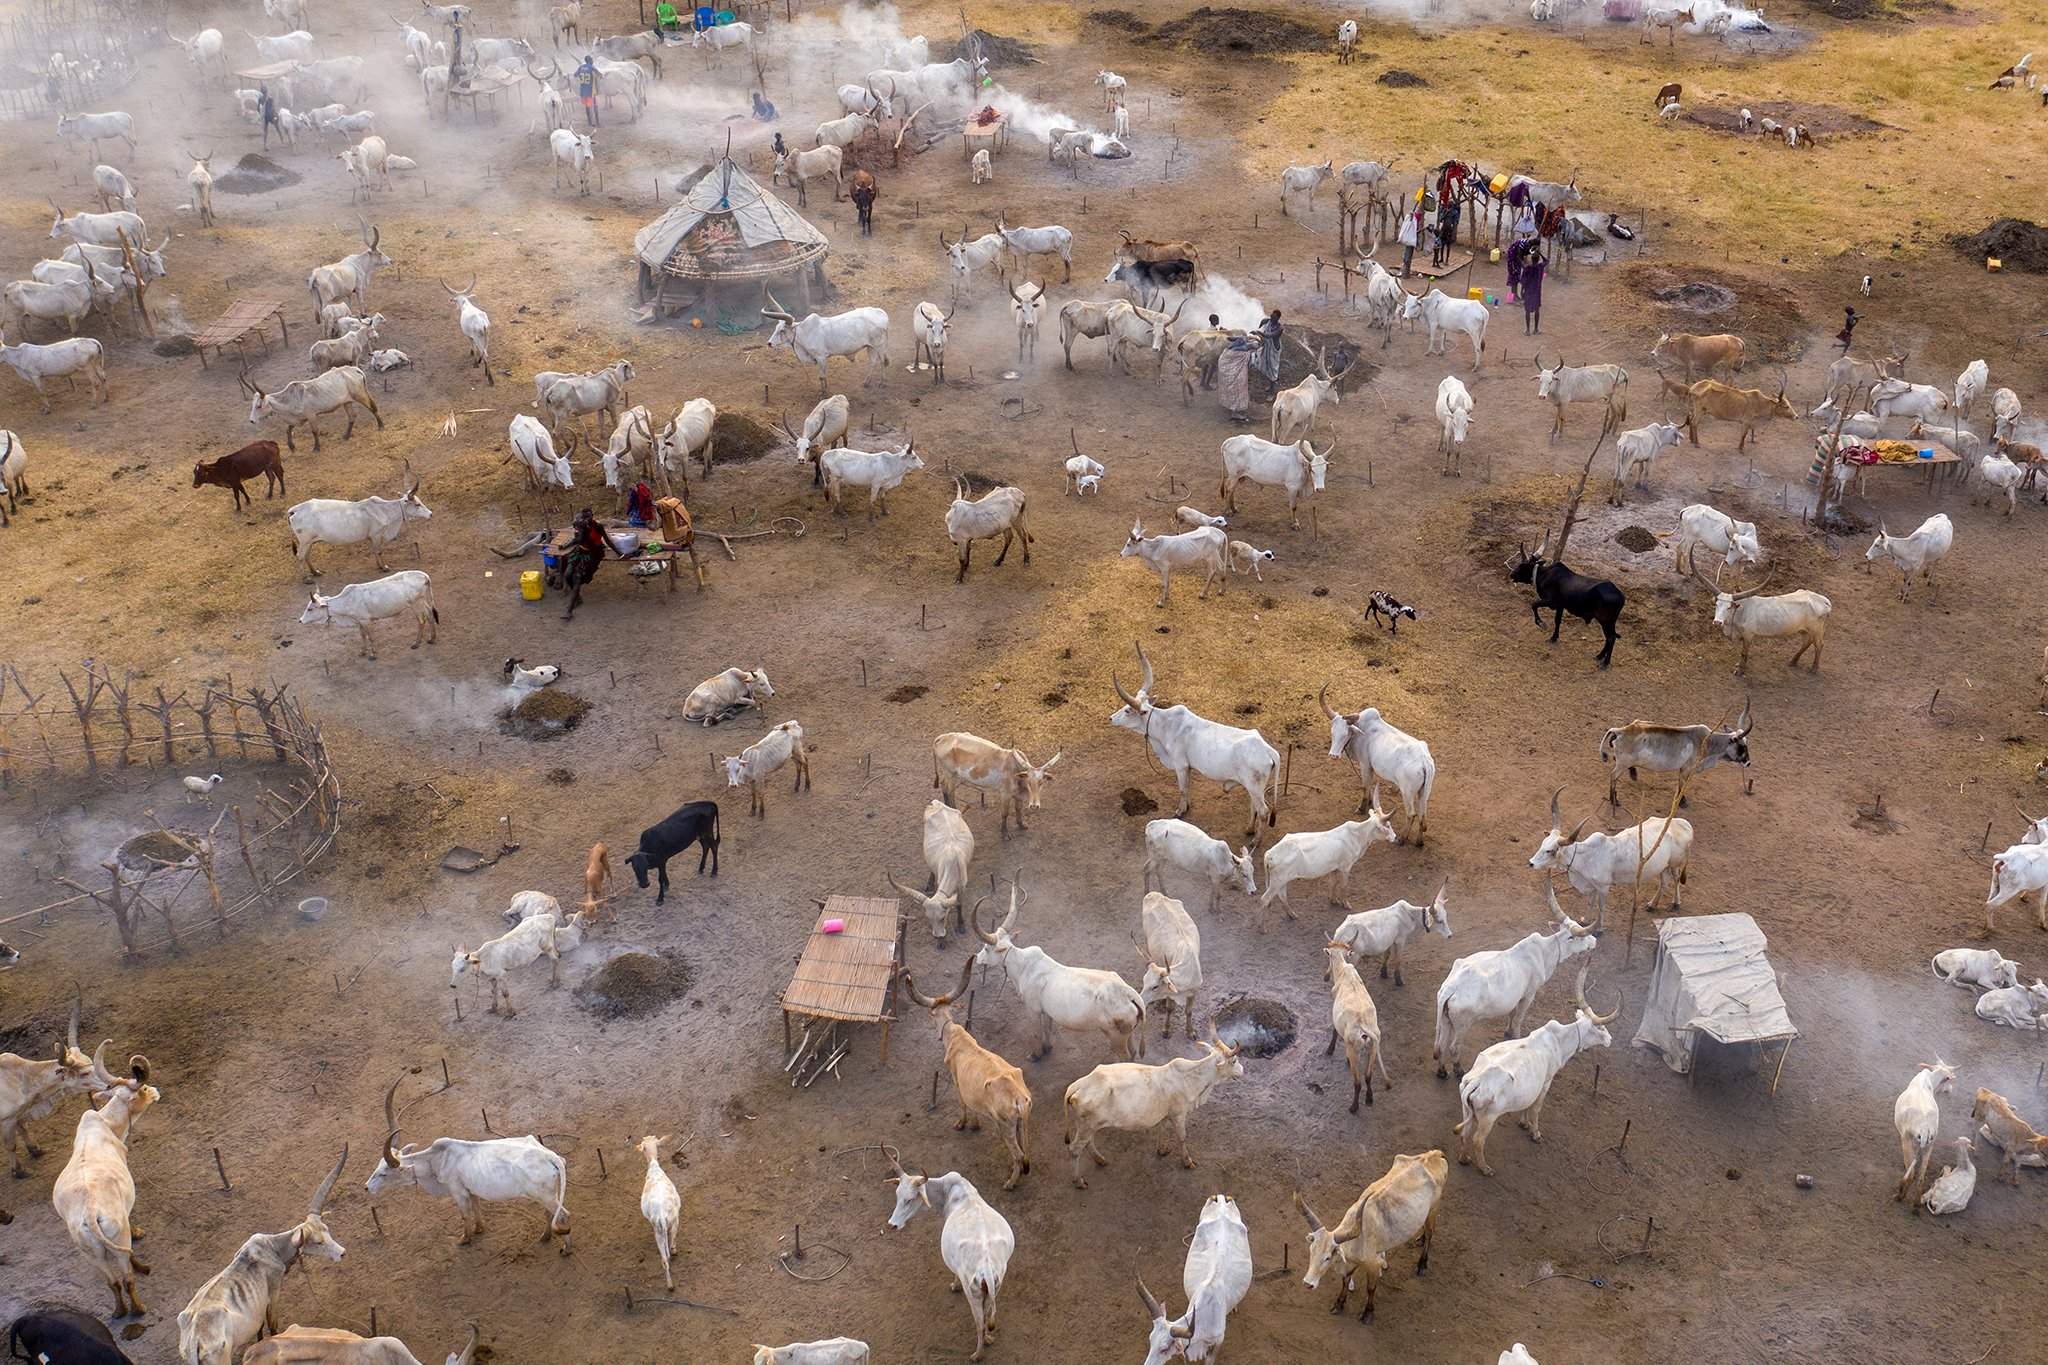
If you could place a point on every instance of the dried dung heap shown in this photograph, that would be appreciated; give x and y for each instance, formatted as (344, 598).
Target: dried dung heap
(2019, 244)
(547, 714)
(255, 174)
(635, 984)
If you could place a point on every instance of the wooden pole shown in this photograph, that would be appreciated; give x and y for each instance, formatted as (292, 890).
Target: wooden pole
(218, 1165)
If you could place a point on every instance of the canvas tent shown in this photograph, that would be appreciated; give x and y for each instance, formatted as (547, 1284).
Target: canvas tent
(727, 230)
(1712, 978)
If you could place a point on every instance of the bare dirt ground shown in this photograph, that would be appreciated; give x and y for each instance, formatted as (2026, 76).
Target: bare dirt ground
(118, 558)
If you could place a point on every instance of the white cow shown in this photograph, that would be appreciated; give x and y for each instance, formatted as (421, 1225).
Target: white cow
(1079, 998)
(332, 521)
(1024, 243)
(536, 936)
(1503, 981)
(1184, 742)
(836, 1351)
(470, 1173)
(1215, 1278)
(1308, 854)
(94, 1195)
(1746, 617)
(1444, 315)
(817, 338)
(528, 441)
(1298, 468)
(1657, 851)
(1381, 932)
(1917, 1116)
(1917, 553)
(948, 851)
(1638, 450)
(725, 694)
(1383, 752)
(880, 472)
(782, 745)
(1177, 843)
(1454, 416)
(1566, 384)
(2016, 1006)
(2018, 871)
(1979, 969)
(409, 591)
(1133, 1097)
(1354, 1019)
(1514, 1076)
(975, 1243)
(1897, 398)
(1173, 962)
(660, 1204)
(1304, 180)
(1701, 526)
(1203, 548)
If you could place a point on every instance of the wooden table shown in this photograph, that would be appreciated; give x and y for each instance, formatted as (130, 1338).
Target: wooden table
(994, 136)
(563, 539)
(846, 977)
(1944, 465)
(245, 317)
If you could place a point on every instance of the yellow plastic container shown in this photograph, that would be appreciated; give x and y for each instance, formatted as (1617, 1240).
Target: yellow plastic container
(1499, 184)
(529, 585)
(1494, 255)
(1993, 264)
(1476, 293)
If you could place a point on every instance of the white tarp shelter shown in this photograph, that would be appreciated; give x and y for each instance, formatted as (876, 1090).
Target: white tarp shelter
(1712, 977)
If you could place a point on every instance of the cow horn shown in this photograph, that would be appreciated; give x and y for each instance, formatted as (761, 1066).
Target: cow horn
(974, 923)
(1176, 313)
(138, 1068)
(966, 971)
(894, 1164)
(1323, 698)
(1712, 585)
(77, 1003)
(1743, 724)
(1016, 903)
(1151, 1304)
(1577, 830)
(1118, 684)
(944, 245)
(1146, 685)
(327, 1186)
(910, 989)
(99, 1064)
(1751, 592)
(1315, 1224)
(1556, 819)
(469, 1348)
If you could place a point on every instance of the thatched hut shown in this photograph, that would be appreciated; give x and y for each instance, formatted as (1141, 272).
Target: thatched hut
(723, 245)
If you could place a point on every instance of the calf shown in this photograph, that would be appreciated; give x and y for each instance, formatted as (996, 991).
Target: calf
(2012, 1135)
(1354, 1019)
(1382, 609)
(229, 471)
(694, 822)
(782, 744)
(661, 1204)
(1245, 558)
(1917, 1116)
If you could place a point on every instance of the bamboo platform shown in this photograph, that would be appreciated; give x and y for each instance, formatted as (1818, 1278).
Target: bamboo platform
(245, 317)
(849, 976)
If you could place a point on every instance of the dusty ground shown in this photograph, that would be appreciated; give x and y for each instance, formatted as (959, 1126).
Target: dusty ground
(118, 558)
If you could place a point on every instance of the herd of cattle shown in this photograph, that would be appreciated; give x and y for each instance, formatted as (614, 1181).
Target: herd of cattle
(235, 1313)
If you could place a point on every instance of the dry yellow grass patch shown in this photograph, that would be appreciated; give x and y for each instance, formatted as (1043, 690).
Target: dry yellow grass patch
(1959, 154)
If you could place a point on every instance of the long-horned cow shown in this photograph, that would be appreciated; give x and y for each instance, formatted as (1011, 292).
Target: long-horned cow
(1743, 616)
(1514, 1076)
(1397, 1209)
(990, 1088)
(240, 1303)
(959, 757)
(1078, 998)
(1655, 851)
(33, 1089)
(1184, 742)
(470, 1173)
(1381, 751)
(975, 1243)
(1215, 1278)
(948, 851)
(94, 1195)
(1503, 981)
(815, 339)
(1134, 1097)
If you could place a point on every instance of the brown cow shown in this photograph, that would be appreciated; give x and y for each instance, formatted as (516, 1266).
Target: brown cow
(1747, 406)
(258, 457)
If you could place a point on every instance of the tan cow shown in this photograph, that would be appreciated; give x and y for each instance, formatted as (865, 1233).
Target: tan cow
(1702, 353)
(2012, 1135)
(1400, 1207)
(1355, 1019)
(1747, 406)
(95, 1193)
(958, 757)
(989, 1087)
(1134, 1097)
(31, 1089)
(297, 1345)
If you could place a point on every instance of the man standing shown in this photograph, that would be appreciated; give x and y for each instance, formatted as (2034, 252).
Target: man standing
(586, 89)
(1269, 349)
(267, 107)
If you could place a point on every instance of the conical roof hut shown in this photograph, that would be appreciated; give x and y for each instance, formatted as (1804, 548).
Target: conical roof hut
(726, 229)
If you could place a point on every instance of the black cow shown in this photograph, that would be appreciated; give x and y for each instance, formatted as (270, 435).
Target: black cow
(694, 822)
(863, 196)
(63, 1336)
(1151, 279)
(1559, 588)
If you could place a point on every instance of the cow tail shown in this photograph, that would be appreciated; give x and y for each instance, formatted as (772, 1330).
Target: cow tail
(1621, 400)
(1607, 746)
(1443, 1031)
(1067, 1122)
(558, 1223)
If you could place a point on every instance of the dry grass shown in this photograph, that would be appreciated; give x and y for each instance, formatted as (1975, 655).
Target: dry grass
(1490, 102)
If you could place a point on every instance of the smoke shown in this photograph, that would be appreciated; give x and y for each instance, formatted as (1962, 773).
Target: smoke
(1233, 307)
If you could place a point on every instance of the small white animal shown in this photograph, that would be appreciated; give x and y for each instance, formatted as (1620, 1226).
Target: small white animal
(520, 676)
(1244, 559)
(381, 361)
(1951, 1190)
(1087, 483)
(1978, 968)
(981, 170)
(1194, 518)
(1670, 112)
(1079, 467)
(1866, 286)
(201, 787)
(1748, 120)
(1123, 121)
(1769, 126)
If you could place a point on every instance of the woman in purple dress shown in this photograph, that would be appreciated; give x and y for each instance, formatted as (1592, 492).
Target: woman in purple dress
(1533, 271)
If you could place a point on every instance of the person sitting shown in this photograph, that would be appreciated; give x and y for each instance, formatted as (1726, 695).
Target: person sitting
(763, 110)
